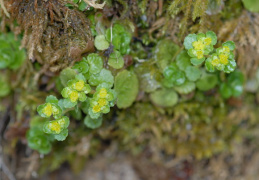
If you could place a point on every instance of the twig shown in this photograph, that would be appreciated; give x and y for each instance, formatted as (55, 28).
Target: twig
(4, 9)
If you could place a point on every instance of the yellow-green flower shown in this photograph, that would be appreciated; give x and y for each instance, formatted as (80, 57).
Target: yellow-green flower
(55, 126)
(207, 41)
(73, 96)
(79, 85)
(96, 109)
(198, 45)
(223, 59)
(103, 93)
(215, 62)
(47, 110)
(102, 102)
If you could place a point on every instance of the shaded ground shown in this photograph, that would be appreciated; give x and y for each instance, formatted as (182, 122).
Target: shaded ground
(240, 164)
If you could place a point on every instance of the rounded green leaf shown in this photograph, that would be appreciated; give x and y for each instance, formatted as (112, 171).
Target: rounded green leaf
(51, 99)
(196, 61)
(213, 37)
(230, 67)
(82, 97)
(82, 66)
(178, 78)
(251, 5)
(207, 81)
(237, 88)
(209, 66)
(92, 114)
(183, 60)
(200, 36)
(105, 76)
(225, 90)
(185, 88)
(66, 75)
(230, 44)
(96, 63)
(101, 43)
(164, 97)
(189, 40)
(116, 60)
(68, 104)
(93, 123)
(164, 53)
(192, 73)
(38, 142)
(62, 135)
(126, 86)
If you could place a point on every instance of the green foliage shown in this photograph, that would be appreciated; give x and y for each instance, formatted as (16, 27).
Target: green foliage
(164, 97)
(126, 85)
(76, 89)
(183, 60)
(66, 75)
(10, 55)
(170, 79)
(102, 100)
(101, 43)
(200, 48)
(37, 139)
(95, 62)
(4, 86)
(185, 88)
(93, 123)
(207, 81)
(105, 76)
(80, 4)
(96, 101)
(50, 108)
(164, 53)
(251, 5)
(192, 73)
(173, 75)
(119, 37)
(116, 60)
(233, 85)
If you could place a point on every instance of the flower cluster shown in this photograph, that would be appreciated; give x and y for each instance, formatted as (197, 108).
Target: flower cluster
(76, 90)
(51, 107)
(56, 126)
(102, 100)
(223, 59)
(200, 47)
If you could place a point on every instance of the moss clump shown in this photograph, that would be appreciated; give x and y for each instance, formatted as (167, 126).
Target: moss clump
(54, 35)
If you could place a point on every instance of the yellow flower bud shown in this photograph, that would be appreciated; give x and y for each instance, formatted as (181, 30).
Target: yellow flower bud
(79, 85)
(215, 62)
(73, 96)
(96, 109)
(199, 54)
(55, 110)
(198, 45)
(103, 93)
(47, 109)
(226, 49)
(55, 126)
(207, 41)
(102, 102)
(223, 59)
